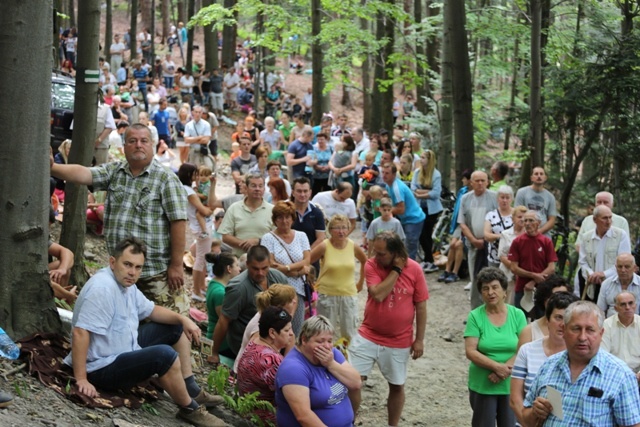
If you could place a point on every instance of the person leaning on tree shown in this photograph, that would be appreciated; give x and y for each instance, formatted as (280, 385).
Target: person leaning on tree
(146, 201)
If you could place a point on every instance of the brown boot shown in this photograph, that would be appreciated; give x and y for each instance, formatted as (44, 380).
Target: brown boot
(208, 400)
(200, 417)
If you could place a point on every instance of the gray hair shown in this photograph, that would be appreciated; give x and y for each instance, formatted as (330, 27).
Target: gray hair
(598, 210)
(313, 326)
(248, 177)
(269, 119)
(536, 213)
(583, 307)
(605, 193)
(505, 189)
(624, 293)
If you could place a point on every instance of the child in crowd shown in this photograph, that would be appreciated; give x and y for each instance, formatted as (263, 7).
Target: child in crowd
(235, 150)
(384, 223)
(369, 171)
(368, 206)
(202, 190)
(216, 248)
(310, 308)
(376, 193)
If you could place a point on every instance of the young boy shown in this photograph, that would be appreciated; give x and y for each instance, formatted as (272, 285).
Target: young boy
(384, 223)
(235, 150)
(202, 190)
(369, 171)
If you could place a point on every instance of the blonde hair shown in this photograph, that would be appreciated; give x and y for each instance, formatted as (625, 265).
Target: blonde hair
(338, 219)
(62, 149)
(277, 295)
(204, 170)
(375, 190)
(519, 209)
(425, 175)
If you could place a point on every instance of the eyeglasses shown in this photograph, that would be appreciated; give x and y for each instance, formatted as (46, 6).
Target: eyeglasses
(340, 227)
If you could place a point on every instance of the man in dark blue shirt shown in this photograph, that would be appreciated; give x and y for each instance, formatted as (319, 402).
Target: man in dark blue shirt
(160, 119)
(142, 76)
(297, 153)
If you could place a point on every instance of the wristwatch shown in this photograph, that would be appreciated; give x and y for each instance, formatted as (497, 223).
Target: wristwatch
(396, 269)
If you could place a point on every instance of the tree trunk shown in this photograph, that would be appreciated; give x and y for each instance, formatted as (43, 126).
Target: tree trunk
(229, 35)
(190, 34)
(133, 32)
(366, 79)
(57, 8)
(26, 299)
(166, 21)
(346, 95)
(534, 87)
(108, 33)
(382, 107)
(514, 93)
(72, 13)
(182, 11)
(146, 12)
(210, 43)
(446, 99)
(84, 136)
(152, 31)
(317, 58)
(462, 96)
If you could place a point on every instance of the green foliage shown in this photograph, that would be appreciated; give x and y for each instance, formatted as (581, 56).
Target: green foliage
(149, 408)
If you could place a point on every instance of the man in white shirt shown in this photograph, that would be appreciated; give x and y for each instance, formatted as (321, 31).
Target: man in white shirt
(625, 279)
(197, 134)
(338, 201)
(602, 198)
(117, 51)
(621, 332)
(231, 85)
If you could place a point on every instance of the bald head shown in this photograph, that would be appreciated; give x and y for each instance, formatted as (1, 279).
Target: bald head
(604, 198)
(479, 182)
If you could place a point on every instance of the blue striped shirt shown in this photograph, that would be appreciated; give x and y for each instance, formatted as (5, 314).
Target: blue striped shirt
(618, 405)
(528, 361)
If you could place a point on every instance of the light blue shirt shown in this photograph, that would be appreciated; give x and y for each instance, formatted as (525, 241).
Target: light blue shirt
(399, 192)
(432, 202)
(111, 313)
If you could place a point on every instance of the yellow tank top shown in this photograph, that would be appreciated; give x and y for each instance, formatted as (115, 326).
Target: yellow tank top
(337, 271)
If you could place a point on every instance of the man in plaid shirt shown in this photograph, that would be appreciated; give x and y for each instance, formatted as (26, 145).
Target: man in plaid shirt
(146, 201)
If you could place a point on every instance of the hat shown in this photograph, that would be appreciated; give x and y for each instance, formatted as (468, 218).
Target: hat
(527, 300)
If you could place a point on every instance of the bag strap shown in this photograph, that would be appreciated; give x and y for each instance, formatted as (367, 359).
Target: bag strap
(304, 276)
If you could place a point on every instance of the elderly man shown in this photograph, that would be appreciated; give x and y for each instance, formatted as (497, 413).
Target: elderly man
(599, 250)
(197, 134)
(532, 255)
(405, 207)
(537, 198)
(597, 388)
(338, 201)
(111, 351)
(397, 296)
(625, 279)
(602, 198)
(473, 209)
(621, 332)
(248, 220)
(146, 201)
(239, 304)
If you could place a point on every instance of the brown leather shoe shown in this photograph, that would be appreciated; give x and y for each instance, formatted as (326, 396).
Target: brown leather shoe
(200, 417)
(208, 400)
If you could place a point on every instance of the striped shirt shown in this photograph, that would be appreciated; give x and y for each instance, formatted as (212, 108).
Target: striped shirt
(605, 393)
(142, 206)
(529, 359)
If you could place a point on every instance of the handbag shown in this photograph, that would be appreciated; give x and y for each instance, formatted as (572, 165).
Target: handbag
(308, 290)
(204, 150)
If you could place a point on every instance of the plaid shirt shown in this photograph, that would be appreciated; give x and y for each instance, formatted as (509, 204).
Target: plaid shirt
(142, 207)
(605, 375)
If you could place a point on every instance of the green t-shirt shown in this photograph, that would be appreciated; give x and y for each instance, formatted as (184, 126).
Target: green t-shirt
(286, 131)
(215, 295)
(498, 343)
(375, 206)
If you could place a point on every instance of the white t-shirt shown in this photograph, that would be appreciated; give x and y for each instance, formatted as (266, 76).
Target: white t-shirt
(231, 79)
(187, 83)
(331, 206)
(119, 48)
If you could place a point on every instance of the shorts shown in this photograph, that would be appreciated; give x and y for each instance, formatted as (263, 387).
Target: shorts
(393, 362)
(157, 290)
(340, 310)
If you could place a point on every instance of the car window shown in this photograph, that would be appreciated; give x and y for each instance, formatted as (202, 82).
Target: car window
(62, 96)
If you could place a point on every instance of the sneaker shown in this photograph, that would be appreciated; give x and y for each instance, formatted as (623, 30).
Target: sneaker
(467, 287)
(199, 417)
(443, 276)
(198, 298)
(5, 399)
(429, 267)
(208, 400)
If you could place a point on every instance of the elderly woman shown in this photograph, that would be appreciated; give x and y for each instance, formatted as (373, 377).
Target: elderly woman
(314, 380)
(270, 135)
(427, 187)
(336, 284)
(490, 341)
(290, 253)
(277, 295)
(187, 174)
(532, 355)
(544, 290)
(261, 359)
(496, 221)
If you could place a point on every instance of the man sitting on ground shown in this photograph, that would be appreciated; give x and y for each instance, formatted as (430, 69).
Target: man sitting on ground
(111, 352)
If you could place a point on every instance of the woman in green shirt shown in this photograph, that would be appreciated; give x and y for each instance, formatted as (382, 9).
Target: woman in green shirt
(225, 268)
(491, 342)
(285, 129)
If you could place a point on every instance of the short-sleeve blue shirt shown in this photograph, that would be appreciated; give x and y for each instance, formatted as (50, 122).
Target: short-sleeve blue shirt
(299, 150)
(399, 192)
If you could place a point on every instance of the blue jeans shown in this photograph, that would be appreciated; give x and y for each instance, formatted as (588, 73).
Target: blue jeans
(143, 93)
(168, 83)
(133, 367)
(412, 238)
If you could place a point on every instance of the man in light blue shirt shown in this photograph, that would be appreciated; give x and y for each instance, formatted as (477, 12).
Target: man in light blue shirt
(406, 208)
(110, 351)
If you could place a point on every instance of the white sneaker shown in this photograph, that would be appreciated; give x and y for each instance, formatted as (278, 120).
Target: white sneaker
(467, 287)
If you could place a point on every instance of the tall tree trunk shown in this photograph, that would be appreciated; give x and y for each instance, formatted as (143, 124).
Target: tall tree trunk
(514, 93)
(229, 35)
(462, 95)
(317, 58)
(182, 11)
(152, 31)
(84, 136)
(535, 93)
(191, 10)
(446, 100)
(57, 8)
(72, 13)
(133, 32)
(26, 299)
(382, 108)
(346, 95)
(146, 13)
(366, 79)
(166, 21)
(108, 32)
(210, 43)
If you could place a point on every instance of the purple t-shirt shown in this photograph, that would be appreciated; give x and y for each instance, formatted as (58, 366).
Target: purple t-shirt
(328, 396)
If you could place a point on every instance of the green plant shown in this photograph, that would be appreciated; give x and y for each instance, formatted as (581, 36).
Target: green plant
(20, 388)
(148, 407)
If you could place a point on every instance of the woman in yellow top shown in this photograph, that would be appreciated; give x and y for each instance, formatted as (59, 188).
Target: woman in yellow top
(336, 284)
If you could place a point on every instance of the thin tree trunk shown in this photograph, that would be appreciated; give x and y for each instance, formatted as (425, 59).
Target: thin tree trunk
(145, 11)
(462, 94)
(534, 87)
(166, 22)
(133, 32)
(26, 299)
(229, 35)
(72, 13)
(446, 100)
(84, 136)
(190, 34)
(317, 58)
(383, 100)
(366, 79)
(57, 8)
(210, 43)
(182, 11)
(514, 93)
(108, 32)
(152, 31)
(346, 96)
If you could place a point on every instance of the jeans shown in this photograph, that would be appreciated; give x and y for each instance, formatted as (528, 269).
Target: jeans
(412, 234)
(155, 357)
(143, 93)
(489, 410)
(168, 83)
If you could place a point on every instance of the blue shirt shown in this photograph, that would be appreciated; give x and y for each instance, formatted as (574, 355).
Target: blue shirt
(619, 403)
(310, 222)
(141, 76)
(299, 150)
(161, 121)
(456, 209)
(111, 313)
(400, 193)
